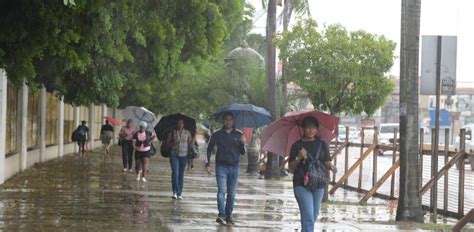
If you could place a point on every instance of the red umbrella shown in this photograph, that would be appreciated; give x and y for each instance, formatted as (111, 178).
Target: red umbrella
(279, 136)
(112, 120)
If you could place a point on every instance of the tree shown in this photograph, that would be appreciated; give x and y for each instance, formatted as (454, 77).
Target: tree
(340, 71)
(101, 51)
(409, 202)
(300, 7)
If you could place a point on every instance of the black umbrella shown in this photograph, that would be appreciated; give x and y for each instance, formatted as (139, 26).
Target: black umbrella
(168, 123)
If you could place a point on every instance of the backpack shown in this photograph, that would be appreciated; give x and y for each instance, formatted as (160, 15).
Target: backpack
(78, 134)
(315, 176)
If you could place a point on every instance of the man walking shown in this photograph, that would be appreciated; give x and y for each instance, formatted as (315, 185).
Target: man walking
(230, 145)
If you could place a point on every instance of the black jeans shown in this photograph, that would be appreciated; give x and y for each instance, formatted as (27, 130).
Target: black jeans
(127, 153)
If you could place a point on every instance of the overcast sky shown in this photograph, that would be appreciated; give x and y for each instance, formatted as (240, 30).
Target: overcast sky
(438, 17)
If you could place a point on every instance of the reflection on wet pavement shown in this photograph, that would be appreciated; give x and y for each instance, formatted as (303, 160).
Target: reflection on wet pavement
(91, 193)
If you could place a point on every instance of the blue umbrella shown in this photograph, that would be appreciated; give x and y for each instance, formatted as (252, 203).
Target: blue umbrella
(245, 115)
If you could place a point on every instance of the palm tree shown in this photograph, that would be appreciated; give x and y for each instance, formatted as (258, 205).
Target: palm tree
(409, 203)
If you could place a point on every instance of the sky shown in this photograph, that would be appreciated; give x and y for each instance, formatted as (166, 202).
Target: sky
(382, 17)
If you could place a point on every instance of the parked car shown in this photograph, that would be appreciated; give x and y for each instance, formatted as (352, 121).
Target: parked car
(469, 145)
(353, 133)
(386, 133)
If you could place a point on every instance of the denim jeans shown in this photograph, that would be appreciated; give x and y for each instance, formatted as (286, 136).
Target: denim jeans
(178, 165)
(309, 203)
(226, 177)
(127, 154)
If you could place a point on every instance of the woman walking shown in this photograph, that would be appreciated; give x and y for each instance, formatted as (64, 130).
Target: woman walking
(106, 135)
(180, 141)
(142, 140)
(126, 136)
(308, 149)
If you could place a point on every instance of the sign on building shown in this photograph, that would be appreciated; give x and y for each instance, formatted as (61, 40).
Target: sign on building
(429, 53)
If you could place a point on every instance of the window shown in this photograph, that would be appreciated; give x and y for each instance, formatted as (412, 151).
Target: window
(51, 119)
(12, 116)
(33, 118)
(69, 126)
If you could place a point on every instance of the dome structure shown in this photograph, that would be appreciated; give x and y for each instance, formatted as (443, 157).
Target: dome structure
(244, 53)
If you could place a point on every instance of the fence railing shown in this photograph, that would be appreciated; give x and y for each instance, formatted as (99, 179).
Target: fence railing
(374, 172)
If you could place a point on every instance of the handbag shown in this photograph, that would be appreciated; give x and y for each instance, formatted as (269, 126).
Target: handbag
(316, 176)
(165, 150)
(193, 152)
(152, 149)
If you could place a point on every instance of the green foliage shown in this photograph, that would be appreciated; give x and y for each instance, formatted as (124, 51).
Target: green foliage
(340, 71)
(102, 51)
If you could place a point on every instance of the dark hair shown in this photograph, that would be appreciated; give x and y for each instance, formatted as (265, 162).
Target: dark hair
(310, 121)
(83, 122)
(227, 113)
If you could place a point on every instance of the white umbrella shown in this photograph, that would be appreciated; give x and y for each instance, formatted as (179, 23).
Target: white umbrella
(138, 114)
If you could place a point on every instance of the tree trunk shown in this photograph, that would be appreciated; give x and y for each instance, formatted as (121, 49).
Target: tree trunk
(271, 55)
(409, 204)
(273, 169)
(287, 9)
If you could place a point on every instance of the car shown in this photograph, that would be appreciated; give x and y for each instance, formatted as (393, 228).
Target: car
(386, 133)
(353, 133)
(468, 147)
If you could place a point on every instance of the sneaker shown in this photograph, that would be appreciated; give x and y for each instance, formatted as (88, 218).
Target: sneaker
(221, 220)
(143, 179)
(174, 196)
(130, 170)
(139, 175)
(229, 221)
(124, 170)
(180, 198)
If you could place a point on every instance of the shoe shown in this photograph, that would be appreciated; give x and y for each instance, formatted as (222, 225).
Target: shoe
(139, 175)
(124, 170)
(143, 179)
(229, 221)
(180, 198)
(221, 221)
(130, 170)
(174, 196)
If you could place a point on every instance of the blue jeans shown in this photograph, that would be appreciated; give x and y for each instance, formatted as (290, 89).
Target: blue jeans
(178, 165)
(309, 203)
(127, 154)
(226, 177)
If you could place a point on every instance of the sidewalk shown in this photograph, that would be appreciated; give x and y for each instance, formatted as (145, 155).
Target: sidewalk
(91, 193)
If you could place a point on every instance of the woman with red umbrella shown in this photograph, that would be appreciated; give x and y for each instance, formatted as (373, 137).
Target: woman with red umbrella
(309, 150)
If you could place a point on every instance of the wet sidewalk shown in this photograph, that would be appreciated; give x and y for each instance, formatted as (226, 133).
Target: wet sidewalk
(91, 193)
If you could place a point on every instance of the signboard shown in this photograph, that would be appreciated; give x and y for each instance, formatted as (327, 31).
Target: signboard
(429, 65)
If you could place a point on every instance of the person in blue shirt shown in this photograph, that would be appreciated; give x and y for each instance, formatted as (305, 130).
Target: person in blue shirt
(230, 144)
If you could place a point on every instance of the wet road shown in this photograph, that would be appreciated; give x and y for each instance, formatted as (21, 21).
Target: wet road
(91, 193)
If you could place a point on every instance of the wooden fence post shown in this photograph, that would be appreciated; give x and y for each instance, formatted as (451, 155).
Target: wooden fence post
(374, 158)
(394, 157)
(462, 168)
(359, 183)
(446, 177)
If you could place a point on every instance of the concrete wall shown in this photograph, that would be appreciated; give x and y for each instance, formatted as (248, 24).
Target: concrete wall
(23, 158)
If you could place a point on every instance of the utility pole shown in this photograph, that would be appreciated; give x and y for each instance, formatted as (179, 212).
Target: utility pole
(272, 170)
(409, 203)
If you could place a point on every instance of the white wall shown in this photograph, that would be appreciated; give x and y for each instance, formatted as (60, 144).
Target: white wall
(24, 158)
